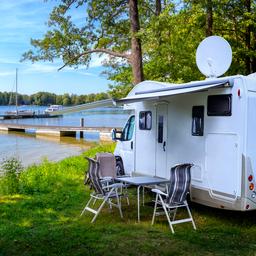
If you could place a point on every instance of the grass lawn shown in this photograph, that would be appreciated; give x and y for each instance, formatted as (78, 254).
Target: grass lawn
(42, 218)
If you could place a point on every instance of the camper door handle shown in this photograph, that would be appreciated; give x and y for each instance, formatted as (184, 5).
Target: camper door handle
(164, 144)
(131, 144)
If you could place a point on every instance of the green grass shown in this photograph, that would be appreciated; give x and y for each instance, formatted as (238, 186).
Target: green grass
(43, 219)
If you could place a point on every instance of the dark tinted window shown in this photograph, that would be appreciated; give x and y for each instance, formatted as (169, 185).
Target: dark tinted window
(198, 121)
(145, 120)
(219, 105)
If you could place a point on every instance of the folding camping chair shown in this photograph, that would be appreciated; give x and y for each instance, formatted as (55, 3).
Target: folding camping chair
(107, 167)
(104, 193)
(176, 197)
(107, 171)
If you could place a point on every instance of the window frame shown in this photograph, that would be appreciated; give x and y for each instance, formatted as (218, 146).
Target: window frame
(198, 112)
(223, 113)
(145, 123)
(128, 126)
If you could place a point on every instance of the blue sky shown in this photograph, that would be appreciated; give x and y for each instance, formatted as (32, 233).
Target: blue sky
(22, 20)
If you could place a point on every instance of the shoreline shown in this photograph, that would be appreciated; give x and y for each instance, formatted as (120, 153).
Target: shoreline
(33, 150)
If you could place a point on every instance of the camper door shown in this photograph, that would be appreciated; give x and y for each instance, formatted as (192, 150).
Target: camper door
(126, 147)
(161, 140)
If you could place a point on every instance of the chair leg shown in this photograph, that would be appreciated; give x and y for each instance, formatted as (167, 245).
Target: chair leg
(190, 215)
(154, 213)
(127, 200)
(88, 203)
(124, 191)
(110, 205)
(94, 201)
(101, 206)
(143, 196)
(166, 189)
(167, 214)
(99, 209)
(174, 214)
(126, 195)
(119, 203)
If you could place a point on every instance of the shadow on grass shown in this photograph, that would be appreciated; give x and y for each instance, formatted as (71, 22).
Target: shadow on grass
(49, 224)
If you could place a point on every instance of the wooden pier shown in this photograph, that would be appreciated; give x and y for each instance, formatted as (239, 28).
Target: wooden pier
(20, 116)
(59, 131)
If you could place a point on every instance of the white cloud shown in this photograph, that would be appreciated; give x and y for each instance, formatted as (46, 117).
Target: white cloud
(7, 61)
(97, 60)
(10, 5)
(53, 68)
(39, 68)
(81, 72)
(7, 73)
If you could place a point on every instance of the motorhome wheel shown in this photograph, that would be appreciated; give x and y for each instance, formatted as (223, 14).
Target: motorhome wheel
(119, 167)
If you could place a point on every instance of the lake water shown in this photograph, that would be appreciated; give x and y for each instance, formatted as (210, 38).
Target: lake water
(101, 117)
(30, 149)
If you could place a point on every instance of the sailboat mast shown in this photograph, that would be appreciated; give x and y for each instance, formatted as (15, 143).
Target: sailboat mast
(16, 97)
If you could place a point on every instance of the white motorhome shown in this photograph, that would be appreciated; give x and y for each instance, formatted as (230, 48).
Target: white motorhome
(210, 123)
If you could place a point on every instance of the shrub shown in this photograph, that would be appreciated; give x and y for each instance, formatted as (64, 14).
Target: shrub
(48, 177)
(40, 178)
(11, 169)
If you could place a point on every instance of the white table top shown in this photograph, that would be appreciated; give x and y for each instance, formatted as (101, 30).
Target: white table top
(142, 180)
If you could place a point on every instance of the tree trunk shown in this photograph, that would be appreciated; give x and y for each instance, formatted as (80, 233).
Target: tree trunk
(253, 61)
(158, 7)
(248, 64)
(209, 18)
(137, 66)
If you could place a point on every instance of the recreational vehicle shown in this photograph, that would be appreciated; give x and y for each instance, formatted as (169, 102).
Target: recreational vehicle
(209, 123)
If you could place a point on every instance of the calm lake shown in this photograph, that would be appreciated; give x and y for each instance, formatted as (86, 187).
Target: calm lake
(30, 149)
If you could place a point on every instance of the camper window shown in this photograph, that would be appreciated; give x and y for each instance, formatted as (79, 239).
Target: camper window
(145, 120)
(160, 129)
(128, 129)
(219, 105)
(198, 121)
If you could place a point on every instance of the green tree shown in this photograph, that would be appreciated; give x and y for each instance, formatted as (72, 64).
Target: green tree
(66, 100)
(106, 28)
(59, 100)
(235, 20)
(161, 35)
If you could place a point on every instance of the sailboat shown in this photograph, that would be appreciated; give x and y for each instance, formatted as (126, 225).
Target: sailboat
(19, 112)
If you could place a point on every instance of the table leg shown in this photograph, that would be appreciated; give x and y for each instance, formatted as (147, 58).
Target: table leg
(138, 197)
(143, 196)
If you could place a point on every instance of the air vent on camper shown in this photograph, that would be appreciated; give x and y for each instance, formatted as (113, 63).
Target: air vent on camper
(213, 56)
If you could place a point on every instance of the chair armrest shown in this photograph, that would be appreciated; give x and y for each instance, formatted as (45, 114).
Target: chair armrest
(91, 159)
(157, 191)
(123, 176)
(115, 185)
(106, 179)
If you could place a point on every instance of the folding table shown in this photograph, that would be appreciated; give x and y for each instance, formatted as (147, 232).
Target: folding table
(141, 181)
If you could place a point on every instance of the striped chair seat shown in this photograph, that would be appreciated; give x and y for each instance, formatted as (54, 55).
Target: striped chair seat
(106, 194)
(168, 203)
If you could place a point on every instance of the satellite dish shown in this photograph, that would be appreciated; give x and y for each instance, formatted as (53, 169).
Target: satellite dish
(213, 56)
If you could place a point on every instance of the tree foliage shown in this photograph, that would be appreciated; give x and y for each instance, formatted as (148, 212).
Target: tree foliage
(168, 33)
(46, 98)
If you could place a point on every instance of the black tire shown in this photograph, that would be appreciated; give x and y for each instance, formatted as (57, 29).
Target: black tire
(119, 167)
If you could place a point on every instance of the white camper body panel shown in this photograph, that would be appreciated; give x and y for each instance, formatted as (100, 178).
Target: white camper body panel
(250, 150)
(223, 157)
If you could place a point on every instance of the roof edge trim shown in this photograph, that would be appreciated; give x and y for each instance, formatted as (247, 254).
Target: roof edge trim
(228, 81)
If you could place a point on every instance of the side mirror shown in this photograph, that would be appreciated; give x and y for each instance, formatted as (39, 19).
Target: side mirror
(116, 135)
(113, 134)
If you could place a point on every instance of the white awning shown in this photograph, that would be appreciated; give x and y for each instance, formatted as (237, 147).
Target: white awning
(175, 90)
(91, 105)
